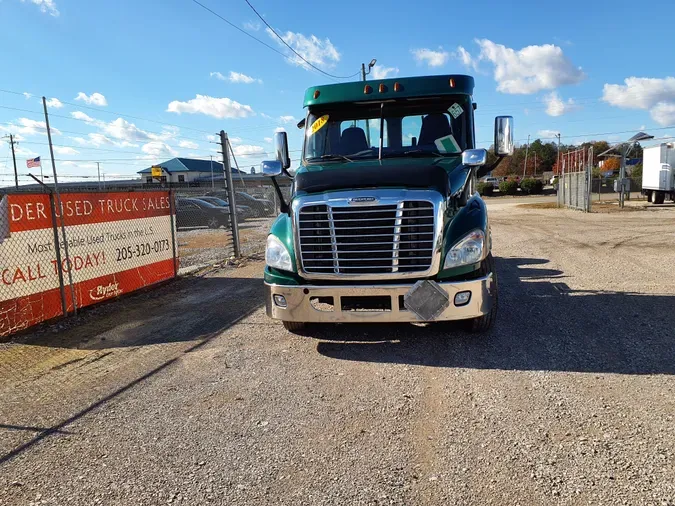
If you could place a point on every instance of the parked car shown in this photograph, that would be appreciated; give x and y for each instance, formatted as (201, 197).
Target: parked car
(192, 212)
(260, 207)
(492, 180)
(243, 212)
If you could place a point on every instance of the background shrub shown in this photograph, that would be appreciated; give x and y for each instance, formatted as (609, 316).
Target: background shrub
(486, 189)
(532, 186)
(508, 187)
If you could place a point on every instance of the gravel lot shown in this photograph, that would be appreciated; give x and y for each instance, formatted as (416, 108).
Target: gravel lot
(190, 395)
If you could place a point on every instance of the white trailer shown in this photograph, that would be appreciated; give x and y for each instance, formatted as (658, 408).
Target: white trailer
(658, 173)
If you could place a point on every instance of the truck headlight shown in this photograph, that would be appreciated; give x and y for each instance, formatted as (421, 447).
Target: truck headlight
(468, 250)
(276, 254)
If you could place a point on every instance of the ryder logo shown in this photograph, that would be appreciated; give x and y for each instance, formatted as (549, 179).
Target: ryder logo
(105, 291)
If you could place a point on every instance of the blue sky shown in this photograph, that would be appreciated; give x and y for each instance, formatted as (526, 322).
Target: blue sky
(192, 74)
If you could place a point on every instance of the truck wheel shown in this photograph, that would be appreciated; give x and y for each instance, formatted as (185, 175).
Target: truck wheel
(658, 198)
(294, 327)
(485, 322)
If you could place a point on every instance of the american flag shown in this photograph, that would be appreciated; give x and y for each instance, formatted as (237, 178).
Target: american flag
(33, 162)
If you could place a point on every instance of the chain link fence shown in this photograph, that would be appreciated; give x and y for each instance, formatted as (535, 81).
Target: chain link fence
(59, 253)
(574, 187)
(204, 221)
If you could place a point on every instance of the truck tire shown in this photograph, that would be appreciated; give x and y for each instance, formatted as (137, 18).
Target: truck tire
(294, 327)
(485, 322)
(658, 197)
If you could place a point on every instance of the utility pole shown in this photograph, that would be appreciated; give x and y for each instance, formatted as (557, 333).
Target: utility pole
(16, 175)
(98, 168)
(558, 152)
(227, 168)
(58, 201)
(527, 149)
(363, 78)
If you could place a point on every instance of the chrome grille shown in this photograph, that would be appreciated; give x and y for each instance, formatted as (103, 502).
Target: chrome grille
(378, 239)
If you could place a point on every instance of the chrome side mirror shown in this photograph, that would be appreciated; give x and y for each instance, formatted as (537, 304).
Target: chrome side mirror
(281, 147)
(474, 157)
(271, 168)
(504, 135)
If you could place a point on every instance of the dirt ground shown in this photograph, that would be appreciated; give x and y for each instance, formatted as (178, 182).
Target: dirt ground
(190, 395)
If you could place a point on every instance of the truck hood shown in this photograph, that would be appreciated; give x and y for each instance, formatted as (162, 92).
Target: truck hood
(446, 175)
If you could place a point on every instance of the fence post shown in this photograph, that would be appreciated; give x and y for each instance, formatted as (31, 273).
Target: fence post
(57, 248)
(172, 204)
(234, 226)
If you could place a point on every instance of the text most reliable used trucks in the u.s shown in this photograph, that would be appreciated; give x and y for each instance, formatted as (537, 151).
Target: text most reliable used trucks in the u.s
(658, 173)
(384, 223)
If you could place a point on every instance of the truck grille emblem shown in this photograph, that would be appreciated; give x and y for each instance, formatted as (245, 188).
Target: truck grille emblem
(356, 201)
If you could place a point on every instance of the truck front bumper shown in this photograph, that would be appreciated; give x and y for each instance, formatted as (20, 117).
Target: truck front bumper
(294, 302)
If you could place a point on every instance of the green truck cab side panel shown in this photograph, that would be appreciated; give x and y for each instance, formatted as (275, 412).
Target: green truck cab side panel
(277, 277)
(470, 217)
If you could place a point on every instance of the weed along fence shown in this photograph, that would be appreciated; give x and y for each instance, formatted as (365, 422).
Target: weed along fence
(92, 247)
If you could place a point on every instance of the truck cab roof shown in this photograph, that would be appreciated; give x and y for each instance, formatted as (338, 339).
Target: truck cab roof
(389, 89)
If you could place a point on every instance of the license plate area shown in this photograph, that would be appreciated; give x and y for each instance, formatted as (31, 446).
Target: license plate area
(369, 303)
(427, 300)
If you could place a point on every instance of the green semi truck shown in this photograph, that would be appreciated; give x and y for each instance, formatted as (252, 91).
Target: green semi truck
(384, 223)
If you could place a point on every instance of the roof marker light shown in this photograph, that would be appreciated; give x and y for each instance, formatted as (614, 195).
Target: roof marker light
(367, 89)
(398, 87)
(452, 82)
(382, 88)
(316, 94)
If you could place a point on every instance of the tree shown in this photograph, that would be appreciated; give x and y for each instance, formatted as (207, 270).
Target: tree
(611, 164)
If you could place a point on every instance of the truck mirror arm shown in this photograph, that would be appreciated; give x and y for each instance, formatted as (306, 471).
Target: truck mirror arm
(283, 206)
(486, 169)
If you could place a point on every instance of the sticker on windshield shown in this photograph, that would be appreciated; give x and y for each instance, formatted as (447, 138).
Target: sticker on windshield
(456, 110)
(447, 144)
(317, 125)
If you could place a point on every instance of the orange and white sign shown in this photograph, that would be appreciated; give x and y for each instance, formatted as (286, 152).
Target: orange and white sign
(117, 242)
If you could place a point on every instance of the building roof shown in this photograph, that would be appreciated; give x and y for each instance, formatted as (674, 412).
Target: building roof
(189, 165)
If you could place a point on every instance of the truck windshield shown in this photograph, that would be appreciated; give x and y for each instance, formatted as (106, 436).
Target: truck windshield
(437, 126)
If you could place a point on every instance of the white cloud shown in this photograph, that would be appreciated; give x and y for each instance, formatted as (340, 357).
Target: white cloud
(248, 150)
(65, 150)
(98, 139)
(465, 57)
(123, 130)
(159, 149)
(220, 108)
(531, 69)
(188, 145)
(234, 140)
(279, 129)
(54, 103)
(250, 25)
(93, 99)
(237, 77)
(556, 106)
(430, 57)
(28, 127)
(266, 116)
(664, 113)
(548, 134)
(655, 95)
(287, 119)
(384, 72)
(321, 53)
(27, 95)
(268, 140)
(83, 117)
(46, 6)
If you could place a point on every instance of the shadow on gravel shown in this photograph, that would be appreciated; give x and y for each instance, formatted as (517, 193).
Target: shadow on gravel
(542, 325)
(193, 309)
(184, 310)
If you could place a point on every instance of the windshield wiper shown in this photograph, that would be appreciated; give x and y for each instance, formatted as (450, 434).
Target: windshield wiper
(333, 158)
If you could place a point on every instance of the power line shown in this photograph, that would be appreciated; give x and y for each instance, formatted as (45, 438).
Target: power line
(291, 48)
